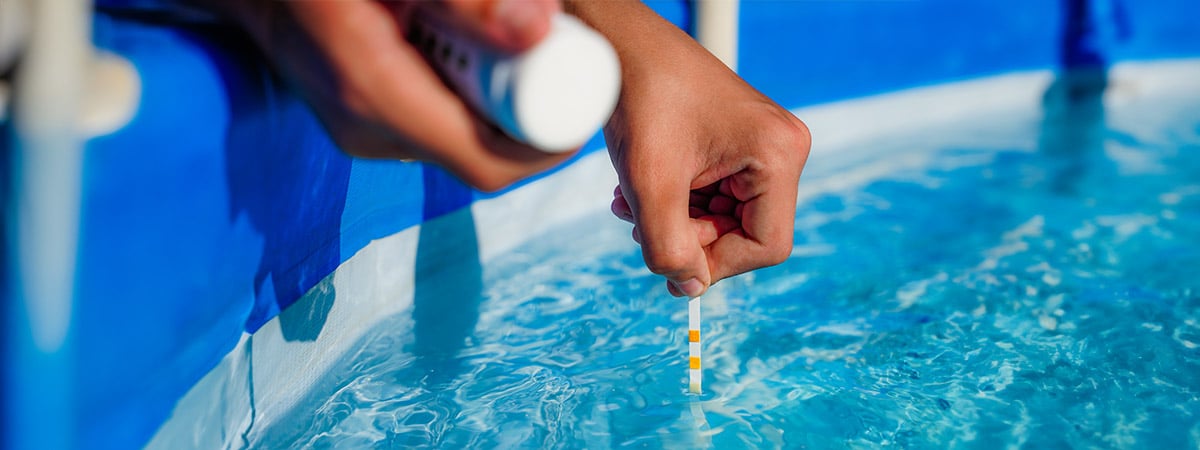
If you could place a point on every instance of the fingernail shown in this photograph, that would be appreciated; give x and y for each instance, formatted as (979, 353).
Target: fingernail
(691, 288)
(518, 17)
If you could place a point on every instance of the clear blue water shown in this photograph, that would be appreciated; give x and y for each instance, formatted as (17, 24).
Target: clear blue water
(1036, 286)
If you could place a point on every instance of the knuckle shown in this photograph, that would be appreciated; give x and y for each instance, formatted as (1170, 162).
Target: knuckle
(777, 252)
(487, 181)
(664, 260)
(792, 139)
(354, 101)
(797, 138)
(802, 135)
(475, 177)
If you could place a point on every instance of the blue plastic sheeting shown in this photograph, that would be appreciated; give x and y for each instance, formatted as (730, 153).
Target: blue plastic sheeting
(1155, 29)
(813, 52)
(224, 200)
(183, 224)
(222, 203)
(808, 52)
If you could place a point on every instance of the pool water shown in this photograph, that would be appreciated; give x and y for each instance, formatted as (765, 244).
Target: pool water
(1033, 281)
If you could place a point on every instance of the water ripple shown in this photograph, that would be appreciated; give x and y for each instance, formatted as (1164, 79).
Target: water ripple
(992, 297)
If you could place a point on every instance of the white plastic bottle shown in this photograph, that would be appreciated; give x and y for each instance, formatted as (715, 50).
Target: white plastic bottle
(553, 96)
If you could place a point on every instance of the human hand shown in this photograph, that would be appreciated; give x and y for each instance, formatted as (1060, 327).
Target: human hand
(708, 166)
(376, 94)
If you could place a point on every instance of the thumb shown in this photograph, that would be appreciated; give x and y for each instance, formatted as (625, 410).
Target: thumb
(513, 25)
(669, 241)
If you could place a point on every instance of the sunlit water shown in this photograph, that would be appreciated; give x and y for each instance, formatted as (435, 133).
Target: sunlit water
(1037, 285)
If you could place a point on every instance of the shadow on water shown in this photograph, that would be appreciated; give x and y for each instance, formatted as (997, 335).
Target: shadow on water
(449, 278)
(1074, 126)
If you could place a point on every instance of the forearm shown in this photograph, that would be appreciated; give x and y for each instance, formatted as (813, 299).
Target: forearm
(658, 60)
(644, 40)
(630, 25)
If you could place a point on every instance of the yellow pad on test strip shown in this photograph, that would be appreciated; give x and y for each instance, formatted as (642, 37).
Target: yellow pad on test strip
(694, 345)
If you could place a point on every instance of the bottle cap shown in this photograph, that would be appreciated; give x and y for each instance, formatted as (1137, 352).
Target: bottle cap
(565, 87)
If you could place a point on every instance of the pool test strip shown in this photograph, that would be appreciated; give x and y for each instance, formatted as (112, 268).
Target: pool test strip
(694, 345)
(553, 96)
